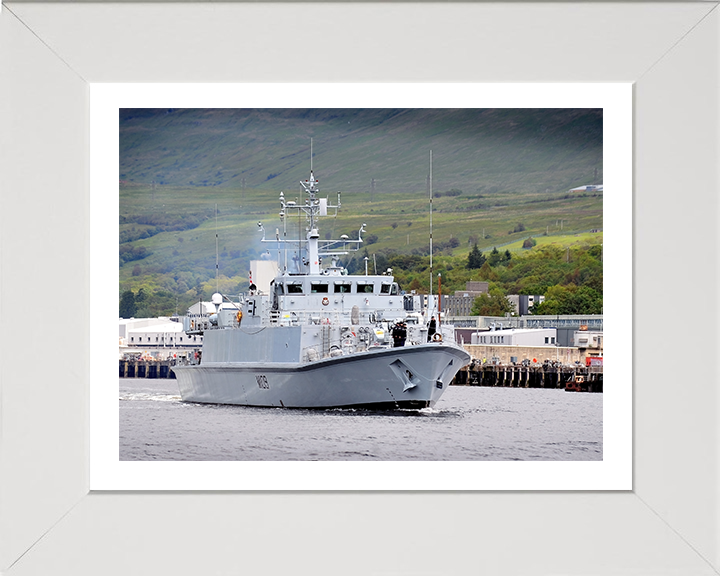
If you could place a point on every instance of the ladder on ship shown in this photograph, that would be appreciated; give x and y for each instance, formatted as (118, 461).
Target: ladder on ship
(325, 340)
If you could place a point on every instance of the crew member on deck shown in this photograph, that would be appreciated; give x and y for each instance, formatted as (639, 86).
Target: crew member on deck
(399, 334)
(431, 329)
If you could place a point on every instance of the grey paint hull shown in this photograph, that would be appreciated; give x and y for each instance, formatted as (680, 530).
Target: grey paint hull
(408, 377)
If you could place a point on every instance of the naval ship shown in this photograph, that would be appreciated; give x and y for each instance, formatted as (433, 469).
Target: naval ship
(319, 337)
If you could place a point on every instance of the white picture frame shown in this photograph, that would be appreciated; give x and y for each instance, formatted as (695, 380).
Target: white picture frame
(49, 520)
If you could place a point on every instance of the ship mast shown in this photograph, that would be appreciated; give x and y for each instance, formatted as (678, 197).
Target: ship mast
(313, 205)
(314, 208)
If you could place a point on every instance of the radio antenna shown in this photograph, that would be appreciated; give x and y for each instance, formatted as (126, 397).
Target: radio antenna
(217, 257)
(431, 238)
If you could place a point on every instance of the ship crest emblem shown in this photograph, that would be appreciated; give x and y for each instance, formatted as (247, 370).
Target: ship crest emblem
(325, 301)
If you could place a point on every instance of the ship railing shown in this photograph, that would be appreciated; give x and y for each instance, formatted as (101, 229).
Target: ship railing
(322, 350)
(360, 339)
(195, 323)
(333, 317)
(285, 318)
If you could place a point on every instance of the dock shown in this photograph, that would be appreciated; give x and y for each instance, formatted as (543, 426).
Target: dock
(147, 368)
(548, 375)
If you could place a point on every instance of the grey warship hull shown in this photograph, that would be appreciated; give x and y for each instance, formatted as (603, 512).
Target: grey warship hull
(384, 378)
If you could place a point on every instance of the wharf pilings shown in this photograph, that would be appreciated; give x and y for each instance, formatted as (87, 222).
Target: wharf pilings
(549, 375)
(147, 368)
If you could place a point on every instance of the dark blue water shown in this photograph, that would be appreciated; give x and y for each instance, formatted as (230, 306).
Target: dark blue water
(468, 423)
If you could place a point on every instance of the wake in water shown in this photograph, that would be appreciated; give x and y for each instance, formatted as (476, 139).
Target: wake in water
(144, 396)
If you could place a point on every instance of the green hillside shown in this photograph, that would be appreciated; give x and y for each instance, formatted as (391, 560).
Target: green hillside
(508, 173)
(477, 151)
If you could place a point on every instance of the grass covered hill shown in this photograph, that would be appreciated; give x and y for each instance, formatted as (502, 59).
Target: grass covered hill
(475, 150)
(499, 177)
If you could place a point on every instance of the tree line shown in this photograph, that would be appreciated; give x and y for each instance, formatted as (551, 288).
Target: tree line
(571, 280)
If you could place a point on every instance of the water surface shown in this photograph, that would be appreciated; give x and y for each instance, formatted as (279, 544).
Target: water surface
(468, 423)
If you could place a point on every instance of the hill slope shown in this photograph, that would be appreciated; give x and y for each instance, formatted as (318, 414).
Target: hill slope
(473, 149)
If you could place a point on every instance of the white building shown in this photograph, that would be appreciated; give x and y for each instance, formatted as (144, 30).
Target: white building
(588, 188)
(586, 339)
(154, 333)
(517, 337)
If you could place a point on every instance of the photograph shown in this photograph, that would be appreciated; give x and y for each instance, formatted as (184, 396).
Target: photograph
(375, 284)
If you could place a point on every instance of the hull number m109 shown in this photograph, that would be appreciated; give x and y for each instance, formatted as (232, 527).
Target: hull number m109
(262, 381)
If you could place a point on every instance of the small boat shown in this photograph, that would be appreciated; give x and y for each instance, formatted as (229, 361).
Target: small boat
(318, 337)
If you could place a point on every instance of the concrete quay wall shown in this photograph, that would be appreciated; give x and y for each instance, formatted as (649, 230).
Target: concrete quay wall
(567, 356)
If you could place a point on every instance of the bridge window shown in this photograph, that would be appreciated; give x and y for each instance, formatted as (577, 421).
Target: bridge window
(294, 289)
(342, 287)
(385, 289)
(319, 288)
(363, 288)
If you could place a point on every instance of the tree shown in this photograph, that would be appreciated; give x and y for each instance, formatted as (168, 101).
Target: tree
(475, 258)
(127, 304)
(494, 303)
(414, 284)
(570, 300)
(494, 259)
(487, 273)
(507, 256)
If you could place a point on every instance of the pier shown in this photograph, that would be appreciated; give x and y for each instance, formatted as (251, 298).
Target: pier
(548, 375)
(147, 368)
